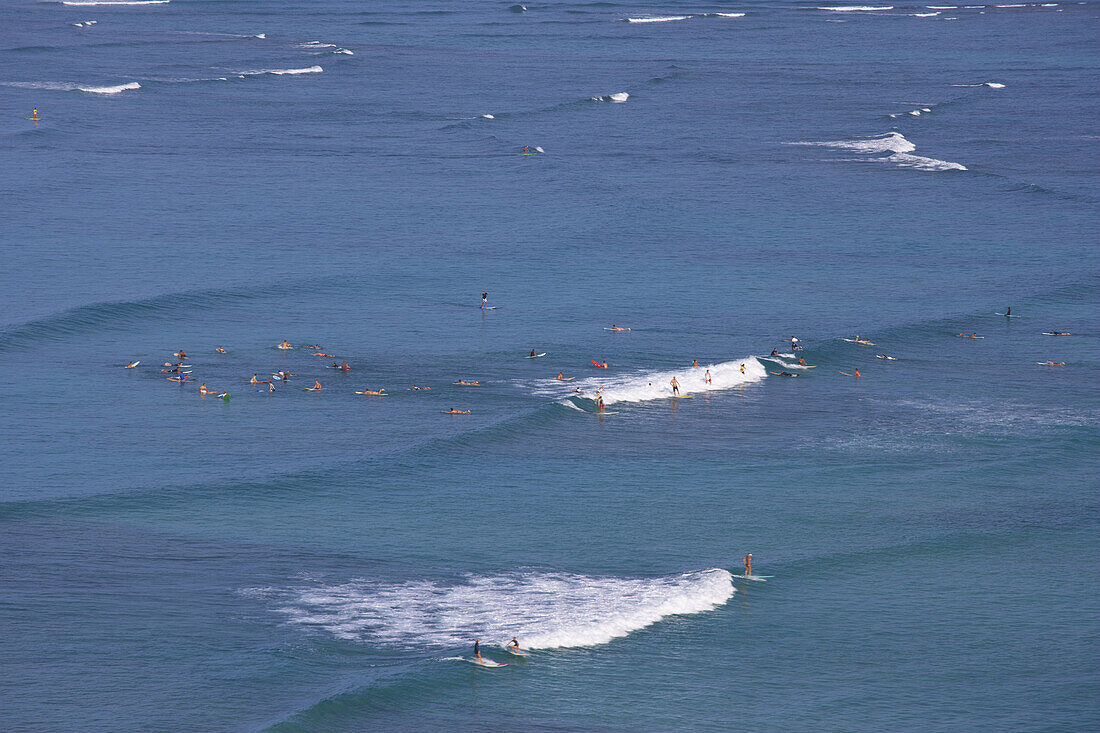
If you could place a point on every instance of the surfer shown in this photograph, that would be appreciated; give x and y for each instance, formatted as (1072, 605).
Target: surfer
(257, 380)
(599, 402)
(477, 649)
(284, 344)
(775, 352)
(857, 374)
(968, 335)
(532, 354)
(695, 362)
(204, 391)
(181, 354)
(742, 367)
(484, 300)
(560, 377)
(220, 350)
(706, 377)
(131, 365)
(464, 383)
(379, 392)
(675, 387)
(453, 411)
(513, 645)
(748, 564)
(417, 389)
(316, 385)
(1008, 312)
(618, 328)
(802, 361)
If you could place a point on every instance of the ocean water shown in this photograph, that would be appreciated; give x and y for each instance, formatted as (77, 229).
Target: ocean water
(719, 179)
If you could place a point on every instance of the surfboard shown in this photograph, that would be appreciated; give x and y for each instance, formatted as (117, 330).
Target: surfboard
(487, 663)
(460, 412)
(761, 578)
(597, 412)
(964, 336)
(884, 357)
(372, 394)
(312, 389)
(284, 348)
(489, 307)
(853, 341)
(131, 366)
(565, 379)
(682, 396)
(1060, 333)
(515, 653)
(1051, 363)
(535, 356)
(617, 330)
(1008, 315)
(597, 364)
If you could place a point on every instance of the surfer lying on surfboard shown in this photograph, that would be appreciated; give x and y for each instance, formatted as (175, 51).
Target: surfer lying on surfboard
(378, 392)
(617, 328)
(220, 349)
(285, 345)
(783, 374)
(453, 411)
(464, 383)
(1048, 362)
(969, 336)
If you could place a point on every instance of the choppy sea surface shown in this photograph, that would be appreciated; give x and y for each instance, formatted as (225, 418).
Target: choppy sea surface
(717, 177)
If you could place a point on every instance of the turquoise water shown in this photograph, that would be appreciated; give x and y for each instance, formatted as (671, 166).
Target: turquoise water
(324, 561)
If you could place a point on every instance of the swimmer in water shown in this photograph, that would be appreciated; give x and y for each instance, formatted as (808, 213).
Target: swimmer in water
(706, 377)
(675, 387)
(695, 362)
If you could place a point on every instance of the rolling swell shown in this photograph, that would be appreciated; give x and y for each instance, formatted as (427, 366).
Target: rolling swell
(86, 319)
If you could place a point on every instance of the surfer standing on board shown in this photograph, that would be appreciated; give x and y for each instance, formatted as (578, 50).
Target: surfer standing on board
(748, 564)
(513, 645)
(477, 649)
(675, 387)
(484, 300)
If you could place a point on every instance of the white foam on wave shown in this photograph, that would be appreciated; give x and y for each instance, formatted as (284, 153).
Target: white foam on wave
(664, 19)
(647, 386)
(727, 15)
(344, 51)
(891, 147)
(924, 15)
(857, 8)
(282, 72)
(542, 610)
(941, 7)
(68, 86)
(619, 97)
(111, 89)
(488, 117)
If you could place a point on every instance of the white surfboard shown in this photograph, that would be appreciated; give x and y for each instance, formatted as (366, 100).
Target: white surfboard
(761, 578)
(487, 663)
(131, 366)
(535, 356)
(517, 653)
(853, 341)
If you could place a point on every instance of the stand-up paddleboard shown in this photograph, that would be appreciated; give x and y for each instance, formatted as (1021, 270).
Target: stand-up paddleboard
(131, 366)
(761, 578)
(487, 663)
(535, 356)
(854, 341)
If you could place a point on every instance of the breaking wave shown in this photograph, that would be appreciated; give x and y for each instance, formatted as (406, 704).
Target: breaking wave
(542, 610)
(891, 147)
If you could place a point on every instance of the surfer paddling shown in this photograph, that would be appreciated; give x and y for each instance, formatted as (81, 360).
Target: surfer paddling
(618, 328)
(453, 411)
(464, 383)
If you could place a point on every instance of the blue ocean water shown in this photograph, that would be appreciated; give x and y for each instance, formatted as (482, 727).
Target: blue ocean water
(232, 174)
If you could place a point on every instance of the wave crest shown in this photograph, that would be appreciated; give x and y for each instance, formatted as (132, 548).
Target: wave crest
(543, 610)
